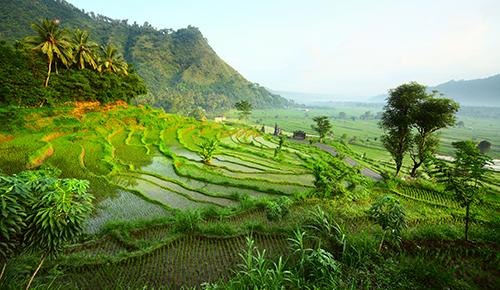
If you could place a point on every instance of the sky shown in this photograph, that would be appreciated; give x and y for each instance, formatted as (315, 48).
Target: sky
(346, 49)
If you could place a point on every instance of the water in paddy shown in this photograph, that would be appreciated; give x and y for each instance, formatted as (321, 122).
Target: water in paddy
(163, 166)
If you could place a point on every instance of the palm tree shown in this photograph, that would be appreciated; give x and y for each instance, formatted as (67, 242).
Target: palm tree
(51, 41)
(84, 50)
(112, 61)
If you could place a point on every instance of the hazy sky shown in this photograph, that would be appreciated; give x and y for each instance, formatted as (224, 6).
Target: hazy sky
(343, 48)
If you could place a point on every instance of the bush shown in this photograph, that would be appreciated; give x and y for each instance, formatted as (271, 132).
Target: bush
(278, 209)
(390, 215)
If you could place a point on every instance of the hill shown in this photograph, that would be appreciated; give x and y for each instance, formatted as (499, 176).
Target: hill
(483, 92)
(179, 68)
(477, 92)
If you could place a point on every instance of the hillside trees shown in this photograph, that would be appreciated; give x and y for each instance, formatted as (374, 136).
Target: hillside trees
(410, 119)
(322, 126)
(84, 49)
(112, 61)
(52, 42)
(21, 69)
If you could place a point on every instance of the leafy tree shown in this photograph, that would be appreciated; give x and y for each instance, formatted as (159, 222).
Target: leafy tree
(84, 49)
(366, 115)
(322, 126)
(208, 149)
(52, 42)
(460, 124)
(342, 115)
(199, 114)
(484, 146)
(51, 213)
(465, 175)
(20, 73)
(112, 61)
(244, 108)
(390, 215)
(397, 119)
(328, 182)
(430, 115)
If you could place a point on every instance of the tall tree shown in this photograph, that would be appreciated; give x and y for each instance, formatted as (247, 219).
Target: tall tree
(84, 49)
(430, 115)
(112, 61)
(52, 42)
(244, 108)
(322, 126)
(465, 176)
(397, 120)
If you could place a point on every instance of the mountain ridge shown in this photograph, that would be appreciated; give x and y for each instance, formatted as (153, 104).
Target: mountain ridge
(473, 92)
(179, 67)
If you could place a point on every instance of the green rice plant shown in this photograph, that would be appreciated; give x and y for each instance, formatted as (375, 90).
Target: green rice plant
(193, 171)
(126, 206)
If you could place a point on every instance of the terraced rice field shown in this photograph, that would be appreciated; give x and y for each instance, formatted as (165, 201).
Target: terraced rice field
(187, 261)
(144, 163)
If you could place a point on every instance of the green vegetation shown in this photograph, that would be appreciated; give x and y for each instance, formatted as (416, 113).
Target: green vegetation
(179, 68)
(208, 149)
(465, 176)
(322, 126)
(165, 218)
(117, 196)
(409, 108)
(244, 108)
(390, 216)
(107, 80)
(40, 214)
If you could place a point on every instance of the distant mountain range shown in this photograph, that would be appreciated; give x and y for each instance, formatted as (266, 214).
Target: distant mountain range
(478, 92)
(179, 67)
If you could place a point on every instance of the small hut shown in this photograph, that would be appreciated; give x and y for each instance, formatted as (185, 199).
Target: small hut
(299, 135)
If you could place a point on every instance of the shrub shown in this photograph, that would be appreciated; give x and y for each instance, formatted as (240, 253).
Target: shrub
(278, 209)
(390, 215)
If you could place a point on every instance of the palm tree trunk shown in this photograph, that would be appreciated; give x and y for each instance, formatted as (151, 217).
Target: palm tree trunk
(48, 73)
(36, 271)
(467, 222)
(3, 270)
(381, 242)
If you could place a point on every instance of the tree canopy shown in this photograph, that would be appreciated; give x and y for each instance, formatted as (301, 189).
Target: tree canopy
(322, 126)
(410, 119)
(22, 70)
(244, 108)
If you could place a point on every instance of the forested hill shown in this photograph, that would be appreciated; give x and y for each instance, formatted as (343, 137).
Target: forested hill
(179, 67)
